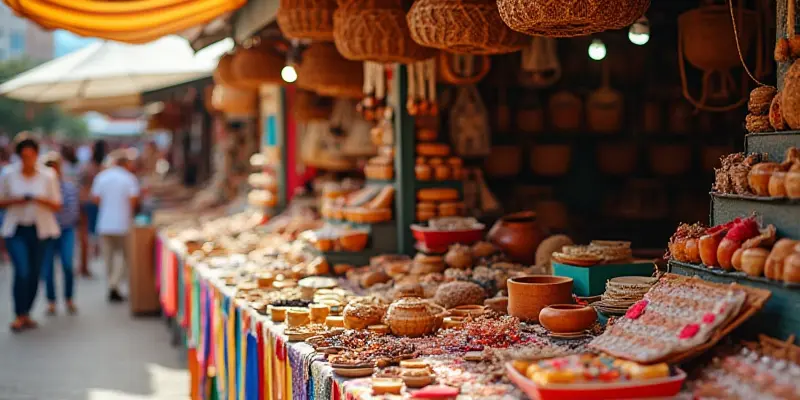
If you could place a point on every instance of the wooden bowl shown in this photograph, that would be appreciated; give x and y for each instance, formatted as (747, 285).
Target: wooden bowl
(567, 318)
(354, 240)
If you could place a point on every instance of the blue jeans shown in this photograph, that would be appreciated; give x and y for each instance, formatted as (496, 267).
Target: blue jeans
(26, 251)
(64, 245)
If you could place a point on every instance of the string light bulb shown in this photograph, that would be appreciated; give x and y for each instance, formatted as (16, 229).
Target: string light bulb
(289, 74)
(597, 50)
(639, 33)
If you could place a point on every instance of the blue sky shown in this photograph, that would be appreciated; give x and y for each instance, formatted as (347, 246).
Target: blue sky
(66, 42)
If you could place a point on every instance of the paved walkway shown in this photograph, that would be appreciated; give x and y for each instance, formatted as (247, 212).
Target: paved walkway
(100, 354)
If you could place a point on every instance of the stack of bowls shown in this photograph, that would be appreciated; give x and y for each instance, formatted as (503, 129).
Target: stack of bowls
(622, 292)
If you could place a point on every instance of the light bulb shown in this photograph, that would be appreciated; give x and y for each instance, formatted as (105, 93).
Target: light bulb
(640, 31)
(597, 50)
(289, 74)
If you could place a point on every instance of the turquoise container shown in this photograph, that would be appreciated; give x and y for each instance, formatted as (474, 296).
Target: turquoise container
(591, 281)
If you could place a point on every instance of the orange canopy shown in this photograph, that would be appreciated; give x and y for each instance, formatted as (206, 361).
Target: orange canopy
(129, 21)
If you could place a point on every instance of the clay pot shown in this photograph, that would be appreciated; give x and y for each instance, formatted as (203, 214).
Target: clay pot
(517, 235)
(497, 304)
(567, 318)
(528, 295)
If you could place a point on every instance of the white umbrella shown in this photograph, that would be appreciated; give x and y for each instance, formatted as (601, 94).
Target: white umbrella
(111, 70)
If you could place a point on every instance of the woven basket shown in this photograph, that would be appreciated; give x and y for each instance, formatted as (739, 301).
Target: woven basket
(234, 101)
(568, 18)
(223, 74)
(326, 72)
(503, 161)
(550, 159)
(375, 30)
(306, 19)
(462, 26)
(448, 73)
(257, 65)
(308, 106)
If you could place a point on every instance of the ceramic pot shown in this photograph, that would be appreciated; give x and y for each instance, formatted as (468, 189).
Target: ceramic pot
(567, 318)
(497, 304)
(528, 295)
(517, 235)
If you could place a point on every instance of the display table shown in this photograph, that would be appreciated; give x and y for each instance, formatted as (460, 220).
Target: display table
(234, 352)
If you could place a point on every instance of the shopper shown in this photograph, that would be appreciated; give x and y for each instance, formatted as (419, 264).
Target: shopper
(30, 194)
(88, 222)
(64, 245)
(116, 191)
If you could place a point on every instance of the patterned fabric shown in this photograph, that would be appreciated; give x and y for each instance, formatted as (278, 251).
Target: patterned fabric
(71, 205)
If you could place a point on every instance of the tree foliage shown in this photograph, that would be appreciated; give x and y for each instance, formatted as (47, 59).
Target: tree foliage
(16, 116)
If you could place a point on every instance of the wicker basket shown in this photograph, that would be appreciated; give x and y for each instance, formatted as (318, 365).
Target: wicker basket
(617, 159)
(503, 161)
(566, 111)
(234, 101)
(257, 65)
(308, 106)
(326, 72)
(550, 159)
(375, 30)
(306, 19)
(670, 159)
(568, 18)
(223, 74)
(462, 26)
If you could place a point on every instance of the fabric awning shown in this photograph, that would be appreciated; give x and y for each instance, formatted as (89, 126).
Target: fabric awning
(129, 21)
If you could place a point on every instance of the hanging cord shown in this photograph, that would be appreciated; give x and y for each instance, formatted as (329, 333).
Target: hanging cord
(789, 31)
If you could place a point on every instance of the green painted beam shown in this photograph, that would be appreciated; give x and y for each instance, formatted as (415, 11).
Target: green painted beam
(405, 180)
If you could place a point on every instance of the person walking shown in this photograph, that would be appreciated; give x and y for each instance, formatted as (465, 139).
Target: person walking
(64, 245)
(116, 191)
(88, 223)
(30, 194)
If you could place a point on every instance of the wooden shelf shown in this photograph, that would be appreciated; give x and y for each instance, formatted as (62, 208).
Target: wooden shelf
(783, 213)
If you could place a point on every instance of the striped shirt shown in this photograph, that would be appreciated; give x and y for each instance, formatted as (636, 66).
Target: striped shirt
(68, 216)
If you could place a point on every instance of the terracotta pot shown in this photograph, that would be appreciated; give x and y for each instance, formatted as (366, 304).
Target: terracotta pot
(528, 295)
(498, 304)
(567, 318)
(517, 235)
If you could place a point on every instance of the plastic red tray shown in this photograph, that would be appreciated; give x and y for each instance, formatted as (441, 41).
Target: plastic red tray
(436, 240)
(653, 388)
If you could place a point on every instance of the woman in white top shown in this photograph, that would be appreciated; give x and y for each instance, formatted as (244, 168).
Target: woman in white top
(31, 196)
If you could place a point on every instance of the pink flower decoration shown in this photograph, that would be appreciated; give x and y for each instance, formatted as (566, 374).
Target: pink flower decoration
(709, 318)
(637, 309)
(689, 331)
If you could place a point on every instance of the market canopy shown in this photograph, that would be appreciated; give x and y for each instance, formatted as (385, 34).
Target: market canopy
(106, 70)
(128, 21)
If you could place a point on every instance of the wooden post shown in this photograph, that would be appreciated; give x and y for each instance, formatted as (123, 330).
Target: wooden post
(780, 32)
(405, 180)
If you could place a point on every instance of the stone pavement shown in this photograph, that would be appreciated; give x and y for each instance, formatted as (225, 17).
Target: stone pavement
(100, 354)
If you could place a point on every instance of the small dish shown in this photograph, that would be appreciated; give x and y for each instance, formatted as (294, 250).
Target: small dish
(468, 310)
(354, 372)
(416, 382)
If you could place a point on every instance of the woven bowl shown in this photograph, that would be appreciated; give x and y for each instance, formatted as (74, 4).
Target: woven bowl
(462, 26)
(327, 73)
(569, 18)
(306, 19)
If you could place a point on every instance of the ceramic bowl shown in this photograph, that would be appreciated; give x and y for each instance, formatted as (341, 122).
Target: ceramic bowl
(498, 304)
(528, 295)
(567, 318)
(467, 310)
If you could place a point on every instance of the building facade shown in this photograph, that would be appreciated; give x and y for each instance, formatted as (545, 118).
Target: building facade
(21, 38)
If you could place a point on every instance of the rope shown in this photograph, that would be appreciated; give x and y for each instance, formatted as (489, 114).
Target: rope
(736, 36)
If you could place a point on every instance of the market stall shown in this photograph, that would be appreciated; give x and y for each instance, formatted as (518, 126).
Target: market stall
(411, 264)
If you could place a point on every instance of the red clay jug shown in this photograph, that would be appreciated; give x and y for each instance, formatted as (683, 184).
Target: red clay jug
(518, 235)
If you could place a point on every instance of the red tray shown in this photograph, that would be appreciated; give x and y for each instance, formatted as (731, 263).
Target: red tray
(653, 388)
(437, 240)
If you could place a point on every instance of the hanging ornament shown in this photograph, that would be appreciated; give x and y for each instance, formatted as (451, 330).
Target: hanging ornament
(371, 106)
(422, 88)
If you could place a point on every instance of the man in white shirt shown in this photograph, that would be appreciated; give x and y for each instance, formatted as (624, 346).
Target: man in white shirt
(116, 191)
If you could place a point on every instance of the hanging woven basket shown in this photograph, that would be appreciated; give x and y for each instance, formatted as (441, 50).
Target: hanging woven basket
(460, 69)
(462, 26)
(306, 19)
(569, 18)
(375, 30)
(257, 65)
(308, 106)
(325, 71)
(234, 101)
(223, 74)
